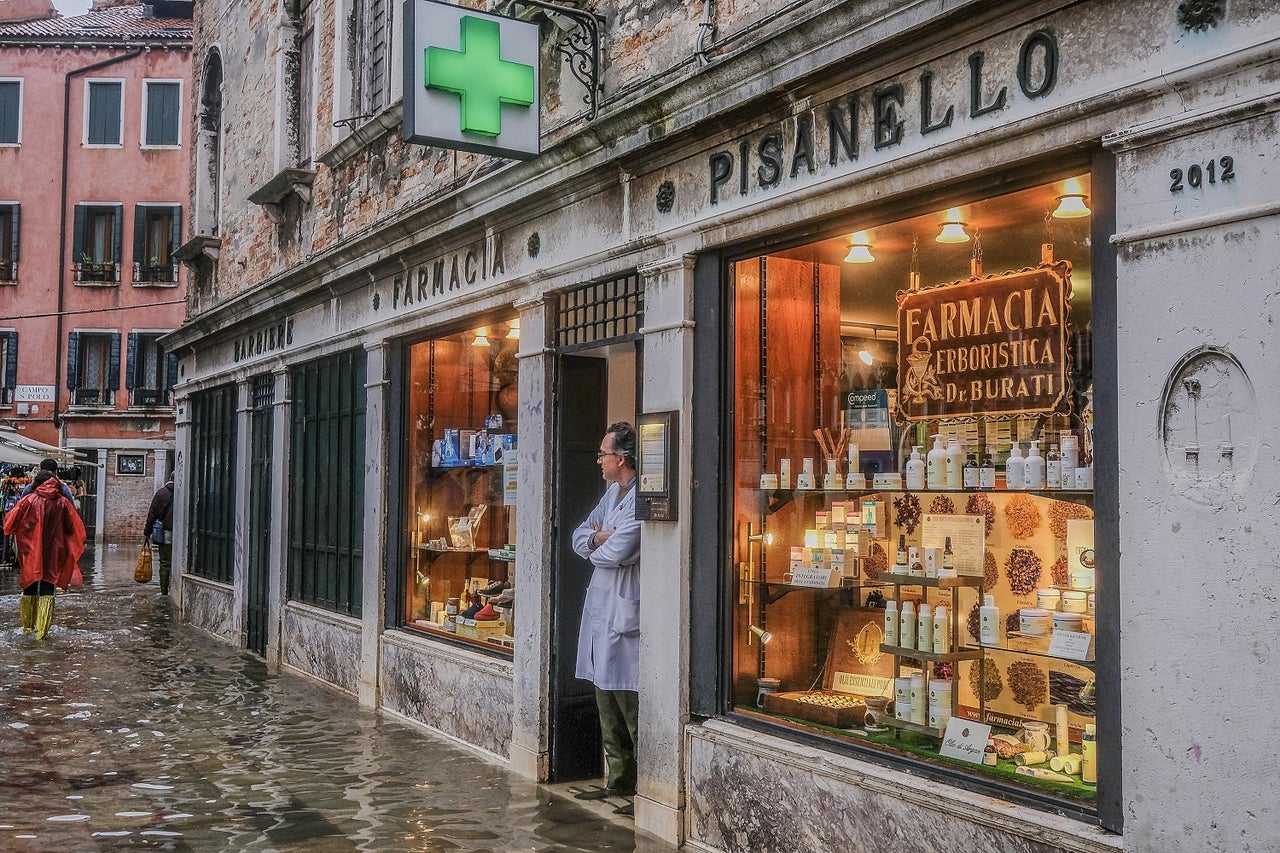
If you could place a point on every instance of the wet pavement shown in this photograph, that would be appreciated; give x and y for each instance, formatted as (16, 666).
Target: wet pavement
(127, 730)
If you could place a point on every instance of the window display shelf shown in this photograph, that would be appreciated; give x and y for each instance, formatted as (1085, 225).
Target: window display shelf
(939, 583)
(895, 723)
(1023, 650)
(903, 652)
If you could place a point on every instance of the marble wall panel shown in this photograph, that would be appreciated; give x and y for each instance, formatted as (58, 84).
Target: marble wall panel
(462, 694)
(323, 645)
(207, 606)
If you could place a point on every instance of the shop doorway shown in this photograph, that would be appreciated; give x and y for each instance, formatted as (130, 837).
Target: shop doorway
(595, 388)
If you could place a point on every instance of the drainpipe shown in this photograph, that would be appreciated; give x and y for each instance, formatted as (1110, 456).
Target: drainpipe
(62, 225)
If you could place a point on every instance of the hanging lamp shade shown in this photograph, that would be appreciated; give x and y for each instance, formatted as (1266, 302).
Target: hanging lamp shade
(953, 228)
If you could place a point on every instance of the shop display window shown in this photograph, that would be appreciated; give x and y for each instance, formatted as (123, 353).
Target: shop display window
(460, 529)
(913, 429)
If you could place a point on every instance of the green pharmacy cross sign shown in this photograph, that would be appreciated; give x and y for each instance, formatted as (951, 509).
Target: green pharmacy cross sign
(470, 80)
(480, 76)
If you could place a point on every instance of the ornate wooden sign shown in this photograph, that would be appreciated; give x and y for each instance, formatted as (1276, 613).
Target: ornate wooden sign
(985, 346)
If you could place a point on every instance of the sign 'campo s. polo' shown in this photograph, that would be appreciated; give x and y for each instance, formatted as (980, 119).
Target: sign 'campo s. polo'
(994, 345)
(470, 80)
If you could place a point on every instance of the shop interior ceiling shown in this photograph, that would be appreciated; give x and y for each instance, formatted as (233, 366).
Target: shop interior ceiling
(1011, 229)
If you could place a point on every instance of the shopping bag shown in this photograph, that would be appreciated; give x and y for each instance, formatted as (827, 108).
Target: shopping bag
(142, 571)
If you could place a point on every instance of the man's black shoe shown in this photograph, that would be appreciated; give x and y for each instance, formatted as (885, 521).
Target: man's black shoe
(602, 794)
(629, 810)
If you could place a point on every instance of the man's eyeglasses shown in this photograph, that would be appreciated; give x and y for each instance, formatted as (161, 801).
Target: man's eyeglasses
(602, 454)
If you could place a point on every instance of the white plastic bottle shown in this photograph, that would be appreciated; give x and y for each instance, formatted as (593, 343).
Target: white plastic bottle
(924, 629)
(907, 626)
(1053, 468)
(891, 623)
(937, 465)
(941, 631)
(955, 465)
(1015, 470)
(1035, 467)
(987, 473)
(989, 622)
(1070, 460)
(915, 469)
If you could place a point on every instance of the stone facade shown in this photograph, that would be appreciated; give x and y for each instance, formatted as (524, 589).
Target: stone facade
(675, 170)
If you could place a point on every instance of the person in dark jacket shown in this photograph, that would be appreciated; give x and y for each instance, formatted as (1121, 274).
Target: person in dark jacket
(51, 465)
(161, 514)
(50, 540)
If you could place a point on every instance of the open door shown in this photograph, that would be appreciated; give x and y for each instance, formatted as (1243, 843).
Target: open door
(581, 418)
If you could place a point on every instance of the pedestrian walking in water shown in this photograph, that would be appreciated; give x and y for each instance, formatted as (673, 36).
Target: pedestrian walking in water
(50, 539)
(159, 531)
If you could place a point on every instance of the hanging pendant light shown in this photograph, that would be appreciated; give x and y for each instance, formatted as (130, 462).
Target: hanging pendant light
(860, 250)
(482, 337)
(513, 334)
(1071, 203)
(953, 228)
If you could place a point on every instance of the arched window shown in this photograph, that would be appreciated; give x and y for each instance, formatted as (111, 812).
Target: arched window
(209, 148)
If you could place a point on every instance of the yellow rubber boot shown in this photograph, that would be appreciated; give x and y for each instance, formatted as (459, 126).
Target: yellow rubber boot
(27, 610)
(44, 616)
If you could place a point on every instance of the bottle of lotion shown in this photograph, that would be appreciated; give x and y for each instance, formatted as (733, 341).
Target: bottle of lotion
(902, 551)
(915, 469)
(971, 471)
(955, 465)
(891, 623)
(1089, 754)
(1053, 468)
(941, 631)
(1035, 467)
(1015, 470)
(924, 629)
(937, 465)
(989, 621)
(907, 626)
(987, 473)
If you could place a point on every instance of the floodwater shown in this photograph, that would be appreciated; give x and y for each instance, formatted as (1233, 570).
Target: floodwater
(127, 730)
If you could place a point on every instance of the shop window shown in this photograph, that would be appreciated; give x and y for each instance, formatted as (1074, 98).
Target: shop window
(150, 372)
(213, 509)
(162, 113)
(326, 480)
(97, 245)
(461, 495)
(9, 241)
(157, 231)
(10, 111)
(8, 365)
(93, 367)
(847, 354)
(104, 101)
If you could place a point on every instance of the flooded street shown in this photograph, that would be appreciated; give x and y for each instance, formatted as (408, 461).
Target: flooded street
(126, 730)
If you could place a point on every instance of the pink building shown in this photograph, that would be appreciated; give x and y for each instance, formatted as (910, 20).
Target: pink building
(94, 151)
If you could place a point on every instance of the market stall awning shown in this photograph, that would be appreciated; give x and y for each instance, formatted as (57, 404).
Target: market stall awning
(13, 443)
(14, 455)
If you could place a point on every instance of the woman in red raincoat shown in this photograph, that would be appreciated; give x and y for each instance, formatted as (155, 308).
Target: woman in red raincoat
(50, 540)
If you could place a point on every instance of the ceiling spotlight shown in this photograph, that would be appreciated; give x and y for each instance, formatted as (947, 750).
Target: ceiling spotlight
(513, 334)
(866, 357)
(482, 337)
(764, 635)
(953, 228)
(1071, 203)
(860, 250)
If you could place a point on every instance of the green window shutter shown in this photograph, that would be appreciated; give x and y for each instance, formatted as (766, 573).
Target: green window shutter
(104, 113)
(11, 360)
(131, 362)
(175, 231)
(14, 242)
(117, 235)
(170, 371)
(162, 113)
(78, 241)
(139, 234)
(73, 360)
(113, 364)
(10, 114)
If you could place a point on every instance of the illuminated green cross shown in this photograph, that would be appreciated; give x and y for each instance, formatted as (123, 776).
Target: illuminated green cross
(480, 77)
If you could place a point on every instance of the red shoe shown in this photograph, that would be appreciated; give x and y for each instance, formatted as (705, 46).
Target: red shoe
(486, 614)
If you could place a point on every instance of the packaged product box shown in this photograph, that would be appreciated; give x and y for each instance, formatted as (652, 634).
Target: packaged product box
(479, 630)
(451, 449)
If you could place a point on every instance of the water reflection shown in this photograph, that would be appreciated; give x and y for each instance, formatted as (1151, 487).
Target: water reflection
(126, 729)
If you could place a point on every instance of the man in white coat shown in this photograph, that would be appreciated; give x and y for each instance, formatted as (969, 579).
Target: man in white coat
(609, 639)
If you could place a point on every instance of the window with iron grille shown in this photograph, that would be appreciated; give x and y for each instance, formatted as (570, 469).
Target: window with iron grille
(10, 112)
(8, 365)
(9, 230)
(604, 311)
(96, 244)
(157, 231)
(104, 103)
(326, 482)
(150, 373)
(93, 367)
(212, 509)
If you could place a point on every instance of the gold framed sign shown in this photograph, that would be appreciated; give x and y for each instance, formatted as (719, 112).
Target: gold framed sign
(987, 346)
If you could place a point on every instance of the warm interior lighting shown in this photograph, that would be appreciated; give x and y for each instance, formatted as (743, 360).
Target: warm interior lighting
(1071, 203)
(866, 357)
(513, 334)
(860, 251)
(764, 635)
(953, 228)
(482, 337)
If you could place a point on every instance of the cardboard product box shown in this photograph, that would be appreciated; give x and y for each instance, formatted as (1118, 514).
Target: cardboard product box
(451, 449)
(479, 630)
(844, 711)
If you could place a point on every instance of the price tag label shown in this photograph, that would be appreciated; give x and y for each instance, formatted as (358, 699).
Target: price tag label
(1071, 645)
(817, 578)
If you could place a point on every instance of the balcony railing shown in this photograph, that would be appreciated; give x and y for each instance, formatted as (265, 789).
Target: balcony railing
(155, 273)
(93, 397)
(93, 272)
(149, 397)
(8, 272)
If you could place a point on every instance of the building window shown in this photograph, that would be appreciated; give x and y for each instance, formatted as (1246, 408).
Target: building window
(374, 74)
(162, 113)
(460, 496)
(93, 367)
(8, 365)
(206, 204)
(150, 372)
(326, 476)
(10, 112)
(9, 241)
(104, 103)
(306, 89)
(845, 355)
(212, 512)
(157, 231)
(97, 243)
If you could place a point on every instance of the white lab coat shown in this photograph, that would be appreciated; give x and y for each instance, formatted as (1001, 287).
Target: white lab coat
(609, 638)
